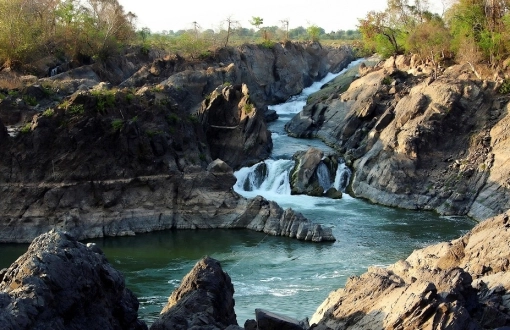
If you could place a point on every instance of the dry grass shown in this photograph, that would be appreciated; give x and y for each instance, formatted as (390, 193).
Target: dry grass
(9, 80)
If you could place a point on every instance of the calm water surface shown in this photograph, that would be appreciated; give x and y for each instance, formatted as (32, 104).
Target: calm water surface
(276, 273)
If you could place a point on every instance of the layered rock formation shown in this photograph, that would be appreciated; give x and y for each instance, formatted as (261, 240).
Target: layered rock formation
(417, 142)
(60, 283)
(462, 284)
(106, 162)
(271, 74)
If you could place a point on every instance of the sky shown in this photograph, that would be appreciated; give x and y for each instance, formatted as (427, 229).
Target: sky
(331, 15)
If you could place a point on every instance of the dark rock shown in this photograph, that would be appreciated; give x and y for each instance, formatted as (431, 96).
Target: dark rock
(59, 283)
(333, 193)
(204, 300)
(250, 325)
(3, 133)
(271, 321)
(270, 115)
(235, 129)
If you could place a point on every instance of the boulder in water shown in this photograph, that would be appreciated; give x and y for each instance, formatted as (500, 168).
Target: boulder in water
(303, 180)
(333, 193)
(204, 300)
(267, 320)
(60, 283)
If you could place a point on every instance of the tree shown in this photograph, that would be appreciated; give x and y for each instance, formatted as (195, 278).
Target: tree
(285, 23)
(257, 22)
(314, 32)
(231, 26)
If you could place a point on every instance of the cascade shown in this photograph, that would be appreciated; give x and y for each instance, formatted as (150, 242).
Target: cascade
(54, 71)
(342, 176)
(323, 176)
(268, 176)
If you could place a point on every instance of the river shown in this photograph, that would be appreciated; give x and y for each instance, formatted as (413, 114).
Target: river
(279, 274)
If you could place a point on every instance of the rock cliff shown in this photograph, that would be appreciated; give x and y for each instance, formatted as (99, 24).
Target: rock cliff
(415, 141)
(98, 160)
(462, 284)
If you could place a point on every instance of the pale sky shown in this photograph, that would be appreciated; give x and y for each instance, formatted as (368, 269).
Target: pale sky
(332, 15)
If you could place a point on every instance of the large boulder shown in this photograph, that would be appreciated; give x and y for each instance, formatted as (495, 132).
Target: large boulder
(236, 130)
(60, 283)
(204, 300)
(462, 284)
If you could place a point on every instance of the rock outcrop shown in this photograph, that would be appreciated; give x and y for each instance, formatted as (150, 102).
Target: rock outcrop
(60, 283)
(462, 284)
(108, 162)
(235, 129)
(417, 142)
(204, 300)
(271, 74)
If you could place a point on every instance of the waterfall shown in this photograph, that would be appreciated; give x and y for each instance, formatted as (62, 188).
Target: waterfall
(269, 176)
(323, 176)
(342, 176)
(54, 71)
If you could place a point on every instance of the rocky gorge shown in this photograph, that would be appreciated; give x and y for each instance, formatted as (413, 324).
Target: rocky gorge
(99, 166)
(105, 162)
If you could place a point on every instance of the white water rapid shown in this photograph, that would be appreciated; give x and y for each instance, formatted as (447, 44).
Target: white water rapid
(270, 178)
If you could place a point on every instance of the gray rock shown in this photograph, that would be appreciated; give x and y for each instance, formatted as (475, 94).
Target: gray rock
(59, 283)
(204, 300)
(450, 285)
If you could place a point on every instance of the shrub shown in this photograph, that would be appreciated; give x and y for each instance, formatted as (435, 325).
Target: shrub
(30, 100)
(117, 124)
(27, 128)
(505, 87)
(76, 109)
(48, 112)
(248, 107)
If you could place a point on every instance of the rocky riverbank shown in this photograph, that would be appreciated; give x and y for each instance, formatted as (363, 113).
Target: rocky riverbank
(99, 159)
(417, 141)
(462, 284)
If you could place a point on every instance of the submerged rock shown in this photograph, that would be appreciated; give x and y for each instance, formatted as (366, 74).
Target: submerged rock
(204, 300)
(60, 283)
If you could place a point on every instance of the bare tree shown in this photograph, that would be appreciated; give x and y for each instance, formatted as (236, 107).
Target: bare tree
(285, 23)
(231, 26)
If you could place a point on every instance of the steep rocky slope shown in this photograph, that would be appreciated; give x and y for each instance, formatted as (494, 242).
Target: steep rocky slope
(101, 161)
(417, 142)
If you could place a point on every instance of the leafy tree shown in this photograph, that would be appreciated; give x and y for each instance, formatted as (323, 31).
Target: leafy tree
(314, 32)
(257, 22)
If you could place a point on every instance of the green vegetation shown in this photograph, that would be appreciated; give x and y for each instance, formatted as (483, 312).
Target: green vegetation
(248, 108)
(27, 128)
(117, 124)
(505, 87)
(48, 112)
(72, 29)
(76, 109)
(476, 31)
(105, 99)
(30, 100)
(172, 118)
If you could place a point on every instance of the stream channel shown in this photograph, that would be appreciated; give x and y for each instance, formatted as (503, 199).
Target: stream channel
(279, 274)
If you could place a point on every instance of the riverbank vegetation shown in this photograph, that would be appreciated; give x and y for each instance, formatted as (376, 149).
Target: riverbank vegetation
(474, 31)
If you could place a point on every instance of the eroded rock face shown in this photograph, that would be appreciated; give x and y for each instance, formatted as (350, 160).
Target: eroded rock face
(416, 142)
(60, 283)
(204, 300)
(462, 284)
(235, 128)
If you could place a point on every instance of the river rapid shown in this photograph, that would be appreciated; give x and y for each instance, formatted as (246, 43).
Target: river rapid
(280, 274)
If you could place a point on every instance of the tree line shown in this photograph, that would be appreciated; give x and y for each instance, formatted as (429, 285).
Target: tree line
(476, 31)
(94, 30)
